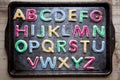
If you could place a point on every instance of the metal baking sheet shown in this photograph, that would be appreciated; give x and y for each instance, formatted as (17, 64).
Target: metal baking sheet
(18, 64)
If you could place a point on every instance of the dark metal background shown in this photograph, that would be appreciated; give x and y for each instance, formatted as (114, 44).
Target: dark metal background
(18, 64)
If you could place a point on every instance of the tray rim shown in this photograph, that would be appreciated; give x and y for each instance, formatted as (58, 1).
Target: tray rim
(112, 38)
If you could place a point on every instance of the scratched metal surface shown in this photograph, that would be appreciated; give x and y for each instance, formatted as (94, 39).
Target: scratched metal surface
(21, 61)
(116, 56)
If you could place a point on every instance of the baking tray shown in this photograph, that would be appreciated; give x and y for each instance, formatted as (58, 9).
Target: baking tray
(17, 63)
